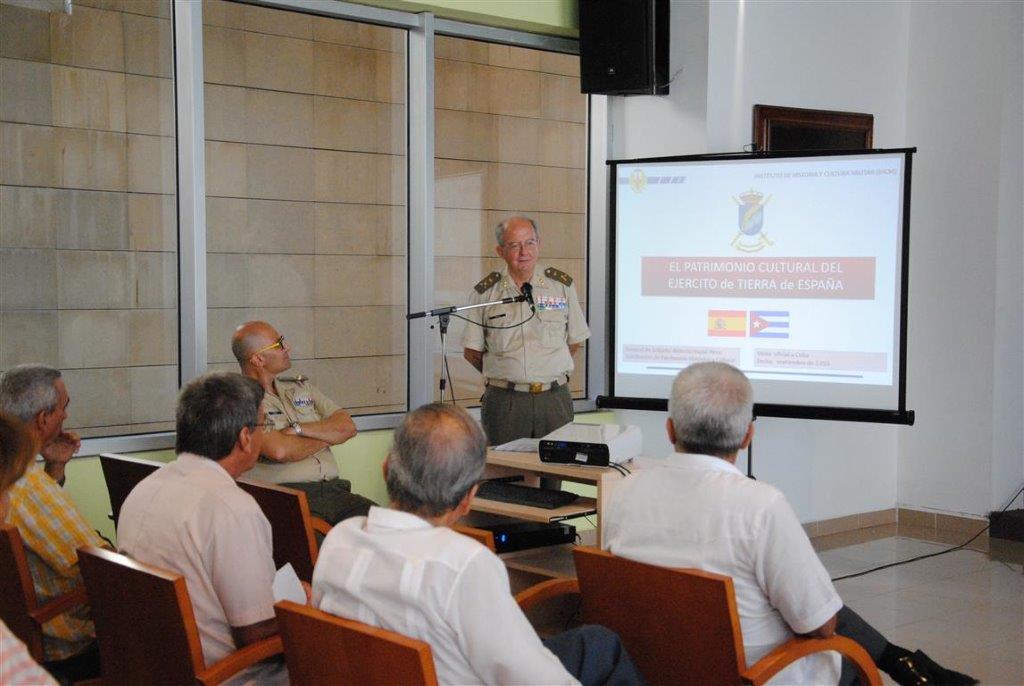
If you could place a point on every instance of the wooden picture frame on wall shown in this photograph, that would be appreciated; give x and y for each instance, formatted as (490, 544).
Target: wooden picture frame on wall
(795, 128)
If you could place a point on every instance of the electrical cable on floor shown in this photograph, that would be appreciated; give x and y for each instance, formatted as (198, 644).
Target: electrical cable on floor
(995, 517)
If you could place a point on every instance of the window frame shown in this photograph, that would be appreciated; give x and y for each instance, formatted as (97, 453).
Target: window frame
(187, 21)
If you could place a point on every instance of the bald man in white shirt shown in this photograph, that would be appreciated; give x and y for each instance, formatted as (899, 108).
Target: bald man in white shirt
(403, 569)
(697, 510)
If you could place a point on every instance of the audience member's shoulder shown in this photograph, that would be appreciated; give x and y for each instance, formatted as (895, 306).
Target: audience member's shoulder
(765, 492)
(459, 549)
(216, 493)
(34, 480)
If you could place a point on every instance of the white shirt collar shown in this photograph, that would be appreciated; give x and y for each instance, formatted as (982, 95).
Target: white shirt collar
(191, 462)
(384, 518)
(708, 463)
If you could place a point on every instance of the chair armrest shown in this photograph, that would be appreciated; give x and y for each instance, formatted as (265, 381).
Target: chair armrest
(546, 590)
(321, 526)
(59, 605)
(796, 648)
(239, 660)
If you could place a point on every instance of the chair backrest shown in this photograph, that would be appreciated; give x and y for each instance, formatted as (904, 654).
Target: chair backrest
(18, 597)
(287, 510)
(145, 625)
(696, 638)
(321, 648)
(122, 474)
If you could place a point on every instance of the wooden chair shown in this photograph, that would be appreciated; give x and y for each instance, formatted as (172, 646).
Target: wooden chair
(19, 607)
(123, 473)
(321, 648)
(291, 524)
(146, 628)
(286, 509)
(680, 625)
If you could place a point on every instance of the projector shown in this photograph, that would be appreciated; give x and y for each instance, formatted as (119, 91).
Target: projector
(524, 535)
(593, 445)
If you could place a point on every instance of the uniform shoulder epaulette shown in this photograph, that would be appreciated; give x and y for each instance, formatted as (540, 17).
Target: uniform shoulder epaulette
(487, 282)
(558, 275)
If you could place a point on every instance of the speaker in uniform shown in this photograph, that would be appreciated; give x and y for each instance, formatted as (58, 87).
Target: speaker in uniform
(524, 350)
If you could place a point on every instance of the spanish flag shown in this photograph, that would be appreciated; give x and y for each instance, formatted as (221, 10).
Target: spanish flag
(727, 323)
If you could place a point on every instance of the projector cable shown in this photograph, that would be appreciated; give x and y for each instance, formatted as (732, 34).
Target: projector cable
(995, 517)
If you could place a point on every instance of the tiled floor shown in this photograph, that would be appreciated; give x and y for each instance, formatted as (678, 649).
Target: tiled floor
(965, 608)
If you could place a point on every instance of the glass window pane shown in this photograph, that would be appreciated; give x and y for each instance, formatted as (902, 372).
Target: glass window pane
(88, 231)
(510, 139)
(306, 195)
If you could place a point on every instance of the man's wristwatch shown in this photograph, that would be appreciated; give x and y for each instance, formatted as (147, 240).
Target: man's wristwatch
(297, 428)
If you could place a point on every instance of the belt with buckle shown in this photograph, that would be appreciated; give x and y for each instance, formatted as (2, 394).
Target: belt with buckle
(533, 388)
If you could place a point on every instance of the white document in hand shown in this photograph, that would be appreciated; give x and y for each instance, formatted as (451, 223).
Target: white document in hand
(287, 586)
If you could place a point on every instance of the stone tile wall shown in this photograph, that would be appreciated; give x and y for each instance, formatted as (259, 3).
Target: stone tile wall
(306, 193)
(88, 234)
(511, 138)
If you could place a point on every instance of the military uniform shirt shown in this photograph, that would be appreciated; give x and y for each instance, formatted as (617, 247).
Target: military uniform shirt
(538, 351)
(295, 399)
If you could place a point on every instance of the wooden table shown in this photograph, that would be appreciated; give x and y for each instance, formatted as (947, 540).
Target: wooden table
(500, 463)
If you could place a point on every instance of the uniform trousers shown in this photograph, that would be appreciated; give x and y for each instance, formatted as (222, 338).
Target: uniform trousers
(507, 414)
(333, 499)
(594, 655)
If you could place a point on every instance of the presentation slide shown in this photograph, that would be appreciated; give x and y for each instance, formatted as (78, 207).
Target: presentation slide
(788, 268)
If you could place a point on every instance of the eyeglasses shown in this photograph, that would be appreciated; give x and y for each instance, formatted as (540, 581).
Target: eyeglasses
(267, 425)
(279, 343)
(530, 245)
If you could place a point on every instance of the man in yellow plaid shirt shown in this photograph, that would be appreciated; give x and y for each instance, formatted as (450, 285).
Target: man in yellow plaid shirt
(50, 525)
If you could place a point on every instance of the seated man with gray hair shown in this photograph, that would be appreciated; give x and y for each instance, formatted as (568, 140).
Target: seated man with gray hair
(191, 517)
(47, 519)
(403, 569)
(697, 510)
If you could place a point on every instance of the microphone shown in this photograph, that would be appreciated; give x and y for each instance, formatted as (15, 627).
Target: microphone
(527, 290)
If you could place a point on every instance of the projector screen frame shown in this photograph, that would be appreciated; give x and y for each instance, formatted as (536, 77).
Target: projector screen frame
(901, 415)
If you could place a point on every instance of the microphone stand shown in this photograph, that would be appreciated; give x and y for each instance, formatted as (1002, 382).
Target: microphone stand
(444, 314)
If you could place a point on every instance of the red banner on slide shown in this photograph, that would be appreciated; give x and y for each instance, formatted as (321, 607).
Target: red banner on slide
(824, 278)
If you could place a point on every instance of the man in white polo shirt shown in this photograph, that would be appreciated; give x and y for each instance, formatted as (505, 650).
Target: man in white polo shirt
(698, 510)
(403, 569)
(191, 517)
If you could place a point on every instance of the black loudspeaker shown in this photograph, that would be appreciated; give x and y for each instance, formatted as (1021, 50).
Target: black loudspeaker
(624, 47)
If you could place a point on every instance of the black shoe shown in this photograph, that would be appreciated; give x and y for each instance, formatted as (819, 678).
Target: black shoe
(917, 669)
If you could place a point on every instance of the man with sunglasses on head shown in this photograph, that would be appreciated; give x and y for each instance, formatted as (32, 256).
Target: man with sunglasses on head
(525, 349)
(297, 451)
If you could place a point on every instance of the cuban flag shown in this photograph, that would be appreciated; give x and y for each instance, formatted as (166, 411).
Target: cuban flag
(766, 324)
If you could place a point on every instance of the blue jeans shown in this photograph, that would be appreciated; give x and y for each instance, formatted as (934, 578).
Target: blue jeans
(594, 655)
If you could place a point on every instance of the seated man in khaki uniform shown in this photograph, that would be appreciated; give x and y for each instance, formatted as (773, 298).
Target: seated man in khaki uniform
(297, 454)
(524, 350)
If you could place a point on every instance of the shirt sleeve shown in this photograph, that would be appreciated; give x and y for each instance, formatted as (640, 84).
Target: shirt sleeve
(323, 405)
(790, 573)
(241, 567)
(494, 634)
(473, 332)
(17, 667)
(578, 329)
(49, 522)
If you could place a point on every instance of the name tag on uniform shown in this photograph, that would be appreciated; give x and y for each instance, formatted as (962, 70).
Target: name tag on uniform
(551, 302)
(301, 402)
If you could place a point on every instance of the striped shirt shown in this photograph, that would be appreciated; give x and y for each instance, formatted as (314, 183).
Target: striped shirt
(17, 668)
(52, 530)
